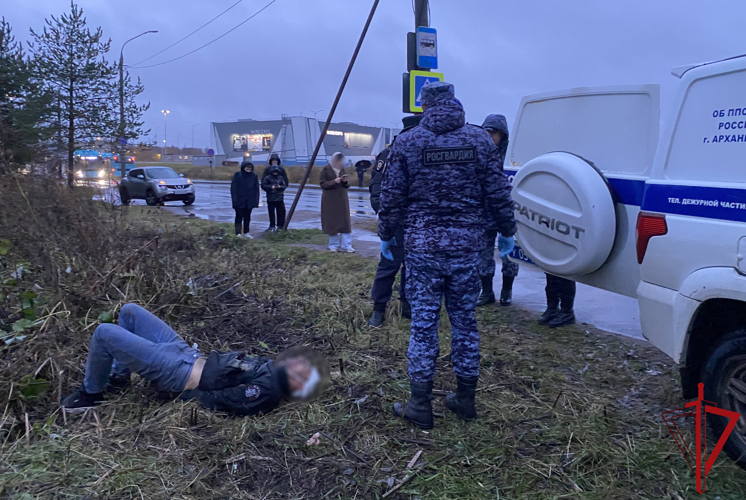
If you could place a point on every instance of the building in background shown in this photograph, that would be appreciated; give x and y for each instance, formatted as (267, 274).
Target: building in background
(294, 139)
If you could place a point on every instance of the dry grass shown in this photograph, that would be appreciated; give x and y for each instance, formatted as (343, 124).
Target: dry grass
(569, 413)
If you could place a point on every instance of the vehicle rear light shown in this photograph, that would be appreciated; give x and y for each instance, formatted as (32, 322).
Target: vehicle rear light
(648, 225)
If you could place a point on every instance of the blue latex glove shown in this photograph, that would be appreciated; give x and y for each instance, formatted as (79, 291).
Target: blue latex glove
(386, 248)
(505, 245)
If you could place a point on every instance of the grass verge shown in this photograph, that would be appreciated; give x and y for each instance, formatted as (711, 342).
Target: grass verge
(568, 413)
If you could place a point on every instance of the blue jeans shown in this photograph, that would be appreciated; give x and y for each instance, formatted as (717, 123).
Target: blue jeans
(140, 343)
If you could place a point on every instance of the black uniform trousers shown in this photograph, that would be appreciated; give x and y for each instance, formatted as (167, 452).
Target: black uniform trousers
(243, 219)
(278, 208)
(386, 274)
(360, 177)
(560, 290)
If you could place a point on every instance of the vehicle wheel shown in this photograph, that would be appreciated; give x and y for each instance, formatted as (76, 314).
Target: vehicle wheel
(189, 200)
(724, 377)
(124, 196)
(150, 198)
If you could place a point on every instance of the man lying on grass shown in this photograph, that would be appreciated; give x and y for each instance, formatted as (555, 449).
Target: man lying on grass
(222, 381)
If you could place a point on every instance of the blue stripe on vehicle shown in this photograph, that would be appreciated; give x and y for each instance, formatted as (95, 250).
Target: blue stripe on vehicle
(626, 191)
(696, 201)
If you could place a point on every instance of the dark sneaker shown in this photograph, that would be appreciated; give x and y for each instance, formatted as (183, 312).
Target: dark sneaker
(118, 383)
(563, 318)
(548, 315)
(486, 299)
(80, 400)
(270, 230)
(377, 319)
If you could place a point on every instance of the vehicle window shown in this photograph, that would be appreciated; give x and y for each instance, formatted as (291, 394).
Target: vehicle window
(135, 173)
(162, 173)
(616, 130)
(709, 141)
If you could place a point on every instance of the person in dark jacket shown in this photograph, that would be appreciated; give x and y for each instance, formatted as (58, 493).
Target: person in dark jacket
(440, 177)
(387, 268)
(274, 185)
(245, 197)
(497, 127)
(274, 160)
(362, 166)
(222, 381)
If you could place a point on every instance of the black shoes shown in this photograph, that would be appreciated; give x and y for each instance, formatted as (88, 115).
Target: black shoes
(81, 400)
(118, 383)
(486, 299)
(488, 295)
(419, 410)
(548, 315)
(555, 317)
(406, 309)
(462, 402)
(506, 294)
(377, 319)
(562, 318)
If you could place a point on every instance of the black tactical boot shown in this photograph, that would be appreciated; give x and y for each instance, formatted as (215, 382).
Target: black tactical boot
(562, 318)
(506, 294)
(488, 295)
(548, 315)
(406, 309)
(462, 402)
(419, 409)
(377, 319)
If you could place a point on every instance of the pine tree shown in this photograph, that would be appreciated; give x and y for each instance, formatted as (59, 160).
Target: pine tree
(24, 111)
(131, 129)
(69, 59)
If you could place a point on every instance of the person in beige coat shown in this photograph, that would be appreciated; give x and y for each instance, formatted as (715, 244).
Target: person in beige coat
(335, 205)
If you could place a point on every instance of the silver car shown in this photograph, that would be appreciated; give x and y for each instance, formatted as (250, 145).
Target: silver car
(156, 185)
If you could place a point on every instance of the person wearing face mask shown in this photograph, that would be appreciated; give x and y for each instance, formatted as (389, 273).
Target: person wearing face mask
(497, 127)
(335, 205)
(274, 185)
(223, 381)
(245, 197)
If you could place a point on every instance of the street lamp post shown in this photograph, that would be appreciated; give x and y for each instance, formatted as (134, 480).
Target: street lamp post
(165, 130)
(315, 112)
(122, 128)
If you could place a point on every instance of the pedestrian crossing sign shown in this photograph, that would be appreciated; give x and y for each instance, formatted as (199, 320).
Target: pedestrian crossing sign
(417, 80)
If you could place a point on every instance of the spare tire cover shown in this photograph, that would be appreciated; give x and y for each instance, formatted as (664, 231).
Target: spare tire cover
(565, 214)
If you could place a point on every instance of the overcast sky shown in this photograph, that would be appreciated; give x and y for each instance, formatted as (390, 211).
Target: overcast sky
(291, 58)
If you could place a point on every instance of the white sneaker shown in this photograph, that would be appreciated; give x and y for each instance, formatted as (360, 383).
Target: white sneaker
(334, 249)
(247, 235)
(347, 250)
(239, 235)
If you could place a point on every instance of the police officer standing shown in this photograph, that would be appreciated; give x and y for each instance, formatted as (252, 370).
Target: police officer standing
(390, 263)
(439, 179)
(497, 127)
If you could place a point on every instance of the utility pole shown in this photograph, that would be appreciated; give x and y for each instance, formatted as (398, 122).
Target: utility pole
(122, 128)
(165, 133)
(421, 13)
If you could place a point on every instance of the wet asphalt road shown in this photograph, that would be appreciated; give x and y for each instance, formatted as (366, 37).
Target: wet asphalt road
(605, 310)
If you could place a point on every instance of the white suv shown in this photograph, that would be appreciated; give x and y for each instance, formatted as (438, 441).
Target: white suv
(601, 199)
